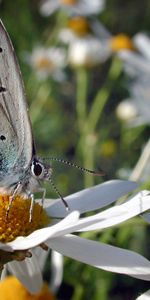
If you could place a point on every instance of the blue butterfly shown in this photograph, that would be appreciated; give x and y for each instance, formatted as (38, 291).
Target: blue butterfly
(20, 169)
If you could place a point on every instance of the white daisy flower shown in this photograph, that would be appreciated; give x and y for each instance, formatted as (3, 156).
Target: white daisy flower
(90, 50)
(48, 62)
(86, 49)
(79, 7)
(58, 236)
(90, 43)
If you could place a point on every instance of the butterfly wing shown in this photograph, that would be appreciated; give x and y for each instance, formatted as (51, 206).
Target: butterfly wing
(16, 143)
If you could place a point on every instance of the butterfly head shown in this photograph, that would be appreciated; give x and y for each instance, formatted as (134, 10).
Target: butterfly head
(40, 170)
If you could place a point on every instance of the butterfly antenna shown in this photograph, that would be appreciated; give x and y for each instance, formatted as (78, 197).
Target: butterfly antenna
(97, 173)
(58, 193)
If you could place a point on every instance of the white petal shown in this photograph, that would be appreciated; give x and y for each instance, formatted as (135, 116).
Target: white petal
(48, 7)
(100, 30)
(145, 296)
(82, 7)
(56, 271)
(142, 42)
(28, 272)
(41, 235)
(103, 256)
(71, 223)
(41, 256)
(112, 216)
(4, 273)
(134, 63)
(5, 247)
(91, 198)
(55, 265)
(86, 7)
(117, 214)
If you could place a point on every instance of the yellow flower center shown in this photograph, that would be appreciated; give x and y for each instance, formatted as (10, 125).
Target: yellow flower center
(17, 222)
(12, 289)
(79, 25)
(44, 63)
(120, 42)
(68, 2)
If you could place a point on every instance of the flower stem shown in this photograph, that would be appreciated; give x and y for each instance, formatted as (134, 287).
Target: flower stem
(86, 144)
(81, 99)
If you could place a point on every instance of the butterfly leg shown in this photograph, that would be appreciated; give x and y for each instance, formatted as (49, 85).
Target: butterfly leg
(15, 192)
(30, 195)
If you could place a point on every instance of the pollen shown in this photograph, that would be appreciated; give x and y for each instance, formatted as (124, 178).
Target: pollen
(17, 222)
(121, 42)
(79, 25)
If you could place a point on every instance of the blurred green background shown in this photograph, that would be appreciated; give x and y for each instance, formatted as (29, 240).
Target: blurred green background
(59, 111)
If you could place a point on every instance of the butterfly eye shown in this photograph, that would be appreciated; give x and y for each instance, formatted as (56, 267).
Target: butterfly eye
(37, 169)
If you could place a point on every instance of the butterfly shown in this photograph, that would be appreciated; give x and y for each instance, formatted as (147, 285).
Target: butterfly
(21, 171)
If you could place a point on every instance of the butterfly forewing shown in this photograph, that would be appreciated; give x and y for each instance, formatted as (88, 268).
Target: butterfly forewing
(15, 131)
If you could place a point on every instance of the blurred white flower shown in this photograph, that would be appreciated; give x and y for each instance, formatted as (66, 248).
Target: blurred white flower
(79, 7)
(137, 66)
(85, 48)
(90, 43)
(126, 111)
(59, 238)
(48, 62)
(92, 50)
(88, 52)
